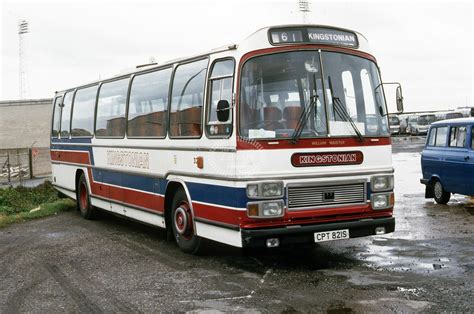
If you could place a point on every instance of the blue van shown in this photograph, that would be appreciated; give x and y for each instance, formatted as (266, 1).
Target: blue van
(447, 162)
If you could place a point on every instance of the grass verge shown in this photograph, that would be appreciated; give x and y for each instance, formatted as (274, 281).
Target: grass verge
(20, 203)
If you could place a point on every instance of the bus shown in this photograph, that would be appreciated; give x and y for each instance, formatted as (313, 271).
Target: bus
(466, 111)
(448, 115)
(278, 140)
(394, 124)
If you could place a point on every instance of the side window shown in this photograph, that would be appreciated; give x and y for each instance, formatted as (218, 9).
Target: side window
(110, 120)
(148, 106)
(187, 99)
(472, 137)
(457, 137)
(432, 137)
(461, 137)
(452, 137)
(441, 136)
(82, 124)
(66, 114)
(56, 116)
(220, 82)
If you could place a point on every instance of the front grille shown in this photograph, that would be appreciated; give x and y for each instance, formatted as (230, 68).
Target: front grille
(326, 195)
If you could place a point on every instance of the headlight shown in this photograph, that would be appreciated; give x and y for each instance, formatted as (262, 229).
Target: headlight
(267, 209)
(381, 183)
(381, 200)
(252, 190)
(274, 189)
(265, 190)
(272, 208)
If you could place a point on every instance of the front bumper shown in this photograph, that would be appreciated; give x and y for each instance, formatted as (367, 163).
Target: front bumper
(305, 234)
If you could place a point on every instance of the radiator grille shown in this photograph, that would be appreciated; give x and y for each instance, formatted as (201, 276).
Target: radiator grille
(326, 195)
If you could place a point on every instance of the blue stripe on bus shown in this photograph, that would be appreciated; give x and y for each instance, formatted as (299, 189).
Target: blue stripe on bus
(217, 194)
(71, 140)
(131, 181)
(207, 193)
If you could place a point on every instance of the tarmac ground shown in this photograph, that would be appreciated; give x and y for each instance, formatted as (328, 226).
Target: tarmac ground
(65, 263)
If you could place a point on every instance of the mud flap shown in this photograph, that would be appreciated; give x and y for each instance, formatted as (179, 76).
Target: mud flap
(429, 193)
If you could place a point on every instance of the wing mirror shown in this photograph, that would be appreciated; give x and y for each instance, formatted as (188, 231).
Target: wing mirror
(399, 99)
(223, 110)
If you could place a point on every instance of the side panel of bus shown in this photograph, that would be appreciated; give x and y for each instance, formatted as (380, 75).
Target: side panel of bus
(131, 176)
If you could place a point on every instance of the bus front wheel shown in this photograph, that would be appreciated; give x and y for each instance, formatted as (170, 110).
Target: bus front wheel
(182, 223)
(84, 200)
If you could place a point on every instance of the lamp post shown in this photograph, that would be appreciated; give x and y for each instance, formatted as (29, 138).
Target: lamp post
(22, 30)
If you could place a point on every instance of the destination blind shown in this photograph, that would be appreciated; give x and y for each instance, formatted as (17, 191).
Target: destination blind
(315, 35)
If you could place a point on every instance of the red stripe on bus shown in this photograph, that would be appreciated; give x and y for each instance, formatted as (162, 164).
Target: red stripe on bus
(123, 195)
(219, 214)
(301, 217)
(305, 47)
(312, 143)
(68, 156)
(308, 220)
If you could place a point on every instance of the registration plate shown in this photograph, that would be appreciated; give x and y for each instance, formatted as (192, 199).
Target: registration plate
(331, 235)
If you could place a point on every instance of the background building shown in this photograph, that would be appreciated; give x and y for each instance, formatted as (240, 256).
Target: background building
(24, 138)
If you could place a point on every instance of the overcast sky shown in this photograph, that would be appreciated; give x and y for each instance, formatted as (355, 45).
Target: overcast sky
(425, 45)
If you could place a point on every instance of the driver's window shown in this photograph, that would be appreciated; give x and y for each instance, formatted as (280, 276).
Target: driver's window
(220, 88)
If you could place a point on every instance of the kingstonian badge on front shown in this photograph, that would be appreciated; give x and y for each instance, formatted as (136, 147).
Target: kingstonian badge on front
(327, 159)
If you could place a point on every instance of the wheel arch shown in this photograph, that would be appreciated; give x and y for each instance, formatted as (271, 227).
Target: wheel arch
(172, 186)
(79, 172)
(434, 178)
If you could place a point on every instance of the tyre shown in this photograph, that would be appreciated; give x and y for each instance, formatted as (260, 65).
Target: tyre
(440, 195)
(182, 223)
(83, 199)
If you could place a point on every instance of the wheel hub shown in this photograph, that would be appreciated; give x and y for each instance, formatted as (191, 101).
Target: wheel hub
(182, 220)
(438, 190)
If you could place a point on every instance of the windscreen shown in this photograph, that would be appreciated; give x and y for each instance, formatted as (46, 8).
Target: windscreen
(394, 120)
(426, 119)
(283, 92)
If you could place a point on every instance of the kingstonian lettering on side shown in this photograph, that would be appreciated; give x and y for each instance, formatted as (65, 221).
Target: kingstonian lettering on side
(329, 159)
(128, 159)
(332, 37)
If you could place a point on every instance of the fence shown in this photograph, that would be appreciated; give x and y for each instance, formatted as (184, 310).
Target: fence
(20, 164)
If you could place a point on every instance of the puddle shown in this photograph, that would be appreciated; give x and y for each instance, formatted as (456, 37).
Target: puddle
(402, 255)
(413, 291)
(339, 310)
(55, 235)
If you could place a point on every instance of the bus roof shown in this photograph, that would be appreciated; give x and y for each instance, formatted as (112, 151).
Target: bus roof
(265, 37)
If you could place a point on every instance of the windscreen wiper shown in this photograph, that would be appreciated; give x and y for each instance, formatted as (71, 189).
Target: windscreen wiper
(339, 108)
(303, 119)
(305, 114)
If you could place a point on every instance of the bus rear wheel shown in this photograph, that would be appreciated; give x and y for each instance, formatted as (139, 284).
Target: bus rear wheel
(440, 195)
(84, 200)
(182, 223)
